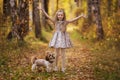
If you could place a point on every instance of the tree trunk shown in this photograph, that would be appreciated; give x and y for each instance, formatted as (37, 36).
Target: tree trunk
(77, 2)
(89, 4)
(80, 3)
(36, 19)
(19, 18)
(6, 7)
(45, 23)
(13, 13)
(96, 12)
(119, 4)
(109, 7)
(23, 14)
(44, 6)
(57, 4)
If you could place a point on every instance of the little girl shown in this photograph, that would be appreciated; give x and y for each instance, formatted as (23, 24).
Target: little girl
(60, 40)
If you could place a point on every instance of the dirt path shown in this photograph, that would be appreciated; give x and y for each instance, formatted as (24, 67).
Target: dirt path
(79, 63)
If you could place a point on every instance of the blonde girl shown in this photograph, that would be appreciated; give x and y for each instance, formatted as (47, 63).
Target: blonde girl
(60, 40)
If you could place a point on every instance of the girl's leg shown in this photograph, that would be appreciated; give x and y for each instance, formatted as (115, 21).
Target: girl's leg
(57, 51)
(63, 59)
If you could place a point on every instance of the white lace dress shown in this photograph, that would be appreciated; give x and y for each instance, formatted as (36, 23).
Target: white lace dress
(60, 39)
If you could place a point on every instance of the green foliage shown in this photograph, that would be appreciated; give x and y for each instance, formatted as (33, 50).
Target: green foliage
(107, 62)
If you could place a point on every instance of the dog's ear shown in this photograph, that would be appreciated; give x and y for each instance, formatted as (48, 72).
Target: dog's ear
(47, 55)
(47, 58)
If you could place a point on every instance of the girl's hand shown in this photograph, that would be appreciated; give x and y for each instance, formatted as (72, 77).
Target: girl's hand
(39, 7)
(83, 15)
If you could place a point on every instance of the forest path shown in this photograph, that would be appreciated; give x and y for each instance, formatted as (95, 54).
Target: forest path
(79, 64)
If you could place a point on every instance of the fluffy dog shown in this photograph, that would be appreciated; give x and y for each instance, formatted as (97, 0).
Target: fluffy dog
(47, 62)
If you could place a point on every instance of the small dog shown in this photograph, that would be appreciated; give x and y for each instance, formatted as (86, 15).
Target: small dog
(47, 62)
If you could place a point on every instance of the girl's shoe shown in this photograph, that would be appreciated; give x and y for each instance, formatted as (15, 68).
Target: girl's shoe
(63, 69)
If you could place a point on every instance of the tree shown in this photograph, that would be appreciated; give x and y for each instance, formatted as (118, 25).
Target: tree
(109, 7)
(23, 14)
(36, 19)
(45, 7)
(78, 2)
(119, 4)
(57, 4)
(13, 13)
(116, 5)
(89, 8)
(45, 22)
(98, 20)
(6, 7)
(20, 19)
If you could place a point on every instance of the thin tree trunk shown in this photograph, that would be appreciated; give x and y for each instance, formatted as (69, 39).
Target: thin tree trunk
(77, 2)
(36, 19)
(119, 4)
(96, 11)
(57, 4)
(46, 3)
(80, 3)
(109, 7)
(23, 18)
(44, 6)
(89, 4)
(45, 20)
(6, 7)
(13, 13)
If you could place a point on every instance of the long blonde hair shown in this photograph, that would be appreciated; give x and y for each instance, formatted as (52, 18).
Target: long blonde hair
(60, 10)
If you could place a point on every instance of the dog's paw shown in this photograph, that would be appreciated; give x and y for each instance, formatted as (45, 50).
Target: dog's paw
(55, 69)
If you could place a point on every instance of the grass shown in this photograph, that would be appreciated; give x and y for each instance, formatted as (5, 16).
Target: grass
(106, 56)
(15, 64)
(107, 61)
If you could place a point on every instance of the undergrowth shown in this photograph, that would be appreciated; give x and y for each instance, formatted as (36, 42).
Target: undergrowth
(106, 56)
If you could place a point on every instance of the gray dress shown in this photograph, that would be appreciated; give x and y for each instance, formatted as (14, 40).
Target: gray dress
(60, 39)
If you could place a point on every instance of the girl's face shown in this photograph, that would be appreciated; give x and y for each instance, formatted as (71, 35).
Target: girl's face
(60, 16)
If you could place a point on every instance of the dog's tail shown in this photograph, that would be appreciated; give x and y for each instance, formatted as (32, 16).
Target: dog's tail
(33, 58)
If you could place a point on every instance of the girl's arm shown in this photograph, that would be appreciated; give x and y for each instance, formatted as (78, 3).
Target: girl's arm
(75, 19)
(46, 14)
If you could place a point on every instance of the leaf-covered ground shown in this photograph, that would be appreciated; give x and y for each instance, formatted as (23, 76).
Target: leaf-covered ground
(16, 65)
(87, 60)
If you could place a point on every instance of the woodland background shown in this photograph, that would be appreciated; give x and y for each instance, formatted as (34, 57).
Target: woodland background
(25, 31)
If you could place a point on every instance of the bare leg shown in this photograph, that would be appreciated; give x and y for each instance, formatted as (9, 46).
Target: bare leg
(63, 59)
(57, 51)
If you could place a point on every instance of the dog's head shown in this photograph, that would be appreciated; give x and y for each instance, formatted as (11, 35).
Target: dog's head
(50, 57)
